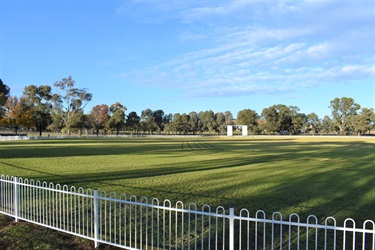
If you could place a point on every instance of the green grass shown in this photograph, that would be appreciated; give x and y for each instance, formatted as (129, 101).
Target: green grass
(29, 236)
(320, 176)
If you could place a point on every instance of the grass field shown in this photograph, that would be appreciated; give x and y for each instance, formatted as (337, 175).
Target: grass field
(320, 176)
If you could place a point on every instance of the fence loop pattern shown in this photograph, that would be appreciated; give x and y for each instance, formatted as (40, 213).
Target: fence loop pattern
(142, 223)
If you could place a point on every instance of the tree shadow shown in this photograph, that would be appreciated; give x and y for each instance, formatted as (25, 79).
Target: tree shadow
(285, 176)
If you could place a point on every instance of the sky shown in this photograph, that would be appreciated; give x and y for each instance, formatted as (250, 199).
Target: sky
(194, 55)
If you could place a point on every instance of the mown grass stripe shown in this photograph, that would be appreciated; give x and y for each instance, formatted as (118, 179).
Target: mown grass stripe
(321, 176)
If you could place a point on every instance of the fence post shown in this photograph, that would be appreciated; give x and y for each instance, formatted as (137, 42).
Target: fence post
(16, 198)
(231, 228)
(96, 219)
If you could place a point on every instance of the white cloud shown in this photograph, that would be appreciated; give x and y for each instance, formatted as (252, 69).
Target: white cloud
(319, 50)
(271, 55)
(359, 70)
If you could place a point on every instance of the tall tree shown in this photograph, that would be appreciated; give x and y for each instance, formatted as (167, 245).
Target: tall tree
(342, 110)
(69, 99)
(167, 123)
(248, 117)
(17, 114)
(80, 121)
(99, 115)
(299, 120)
(228, 118)
(148, 121)
(132, 123)
(167, 118)
(194, 122)
(221, 124)
(363, 122)
(327, 125)
(4, 93)
(57, 123)
(278, 118)
(117, 119)
(261, 126)
(208, 121)
(271, 119)
(159, 119)
(185, 123)
(283, 119)
(38, 99)
(177, 123)
(314, 122)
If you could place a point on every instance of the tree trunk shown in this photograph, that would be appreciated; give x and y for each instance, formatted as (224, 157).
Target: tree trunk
(40, 130)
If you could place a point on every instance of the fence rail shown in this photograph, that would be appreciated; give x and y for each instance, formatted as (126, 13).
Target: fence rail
(140, 223)
(13, 137)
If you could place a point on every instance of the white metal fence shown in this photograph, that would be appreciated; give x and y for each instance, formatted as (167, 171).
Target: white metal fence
(140, 223)
(13, 137)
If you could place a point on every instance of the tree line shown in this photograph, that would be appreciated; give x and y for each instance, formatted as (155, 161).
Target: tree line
(60, 109)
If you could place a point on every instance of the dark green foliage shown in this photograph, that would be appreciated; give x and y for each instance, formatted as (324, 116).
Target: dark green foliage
(4, 93)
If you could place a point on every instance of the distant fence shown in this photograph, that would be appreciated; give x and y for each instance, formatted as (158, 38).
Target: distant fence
(13, 137)
(25, 137)
(140, 223)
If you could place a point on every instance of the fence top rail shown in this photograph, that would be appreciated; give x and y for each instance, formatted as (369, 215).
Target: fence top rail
(57, 188)
(192, 208)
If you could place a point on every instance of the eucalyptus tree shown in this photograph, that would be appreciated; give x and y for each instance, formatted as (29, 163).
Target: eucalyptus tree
(363, 122)
(228, 118)
(283, 119)
(69, 100)
(327, 125)
(117, 117)
(167, 118)
(261, 127)
(299, 120)
(80, 121)
(168, 128)
(271, 117)
(221, 124)
(4, 93)
(168, 123)
(158, 119)
(208, 121)
(185, 123)
(177, 124)
(248, 117)
(368, 119)
(148, 121)
(194, 122)
(277, 118)
(57, 123)
(314, 122)
(39, 101)
(132, 121)
(342, 111)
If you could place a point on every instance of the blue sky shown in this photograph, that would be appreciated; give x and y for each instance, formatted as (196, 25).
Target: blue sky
(191, 55)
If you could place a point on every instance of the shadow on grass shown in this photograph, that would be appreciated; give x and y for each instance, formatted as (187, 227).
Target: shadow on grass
(91, 147)
(283, 176)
